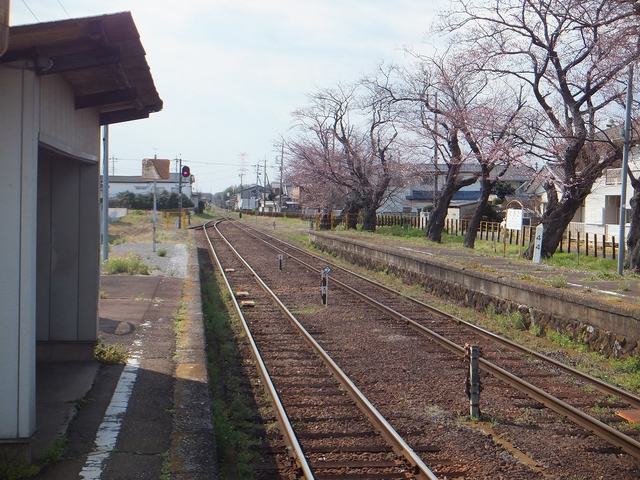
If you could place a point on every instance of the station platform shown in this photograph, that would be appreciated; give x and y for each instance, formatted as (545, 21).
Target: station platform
(152, 416)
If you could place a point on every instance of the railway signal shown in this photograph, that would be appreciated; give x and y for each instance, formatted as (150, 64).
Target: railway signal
(186, 171)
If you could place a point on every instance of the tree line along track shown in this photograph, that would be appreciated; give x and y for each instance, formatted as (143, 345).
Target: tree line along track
(324, 413)
(498, 359)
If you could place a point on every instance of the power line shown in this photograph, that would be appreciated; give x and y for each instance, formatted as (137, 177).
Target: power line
(34, 15)
(65, 10)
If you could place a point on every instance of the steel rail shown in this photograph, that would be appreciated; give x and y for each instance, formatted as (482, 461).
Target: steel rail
(400, 447)
(602, 430)
(291, 440)
(597, 383)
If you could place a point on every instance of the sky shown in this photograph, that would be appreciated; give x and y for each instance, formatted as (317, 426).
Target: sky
(231, 72)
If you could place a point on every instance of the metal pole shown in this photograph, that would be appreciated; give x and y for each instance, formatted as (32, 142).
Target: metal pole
(155, 211)
(281, 171)
(105, 193)
(180, 196)
(625, 163)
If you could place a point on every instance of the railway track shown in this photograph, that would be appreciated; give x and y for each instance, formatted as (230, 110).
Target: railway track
(550, 384)
(329, 428)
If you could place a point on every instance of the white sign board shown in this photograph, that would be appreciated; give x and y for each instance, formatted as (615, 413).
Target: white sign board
(514, 219)
(155, 169)
(537, 251)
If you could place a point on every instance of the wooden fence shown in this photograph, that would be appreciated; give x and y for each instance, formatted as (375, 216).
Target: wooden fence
(591, 244)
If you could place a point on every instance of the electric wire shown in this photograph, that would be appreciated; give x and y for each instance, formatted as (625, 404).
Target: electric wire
(65, 10)
(28, 8)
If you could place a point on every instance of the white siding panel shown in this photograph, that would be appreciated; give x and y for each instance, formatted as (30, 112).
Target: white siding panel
(18, 147)
(62, 122)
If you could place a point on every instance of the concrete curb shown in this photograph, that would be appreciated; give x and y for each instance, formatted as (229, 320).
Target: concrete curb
(193, 448)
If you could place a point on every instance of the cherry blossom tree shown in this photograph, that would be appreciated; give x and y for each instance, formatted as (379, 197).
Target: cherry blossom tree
(470, 121)
(343, 152)
(572, 56)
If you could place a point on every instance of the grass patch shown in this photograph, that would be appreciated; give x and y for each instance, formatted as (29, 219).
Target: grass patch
(564, 340)
(129, 265)
(162, 252)
(15, 470)
(55, 452)
(557, 281)
(505, 323)
(232, 408)
(11, 469)
(400, 231)
(111, 355)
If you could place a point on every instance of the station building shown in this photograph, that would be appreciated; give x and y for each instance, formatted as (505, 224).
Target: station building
(60, 82)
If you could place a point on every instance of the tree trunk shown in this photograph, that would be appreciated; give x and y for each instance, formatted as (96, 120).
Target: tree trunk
(632, 263)
(474, 224)
(435, 225)
(369, 219)
(554, 226)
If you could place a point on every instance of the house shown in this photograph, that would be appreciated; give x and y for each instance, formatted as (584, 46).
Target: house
(416, 197)
(249, 197)
(600, 212)
(60, 83)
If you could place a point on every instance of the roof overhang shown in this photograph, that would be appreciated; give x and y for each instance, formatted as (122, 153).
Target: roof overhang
(101, 57)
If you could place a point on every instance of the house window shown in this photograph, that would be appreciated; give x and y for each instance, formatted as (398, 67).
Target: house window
(611, 209)
(613, 176)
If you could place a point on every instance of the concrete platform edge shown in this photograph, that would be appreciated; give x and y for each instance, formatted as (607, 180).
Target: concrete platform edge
(193, 417)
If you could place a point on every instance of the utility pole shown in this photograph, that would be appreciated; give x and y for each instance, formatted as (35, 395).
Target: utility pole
(265, 173)
(240, 205)
(180, 196)
(281, 171)
(625, 168)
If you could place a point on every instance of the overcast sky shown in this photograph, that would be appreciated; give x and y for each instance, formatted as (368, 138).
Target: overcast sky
(231, 72)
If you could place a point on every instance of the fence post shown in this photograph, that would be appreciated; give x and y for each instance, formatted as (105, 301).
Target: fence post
(613, 247)
(595, 245)
(586, 244)
(578, 243)
(604, 246)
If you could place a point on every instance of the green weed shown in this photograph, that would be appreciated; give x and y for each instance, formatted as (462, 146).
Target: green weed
(129, 265)
(111, 355)
(558, 281)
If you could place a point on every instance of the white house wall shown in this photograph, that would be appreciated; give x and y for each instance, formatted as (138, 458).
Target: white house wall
(19, 97)
(595, 203)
